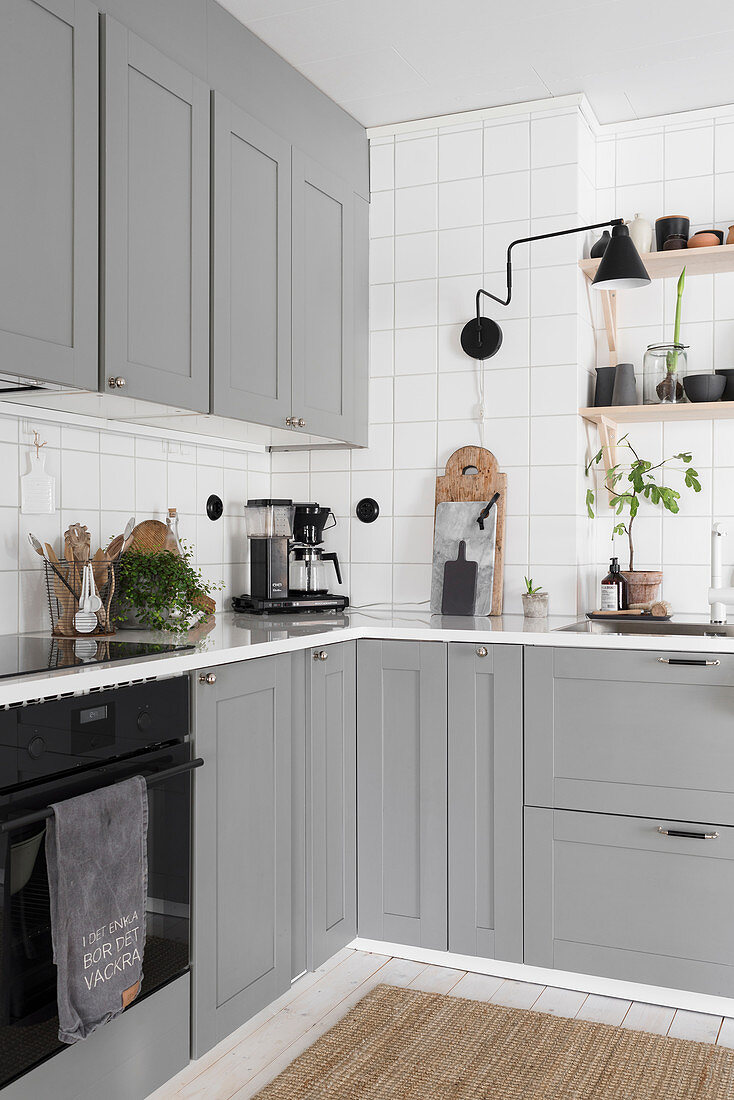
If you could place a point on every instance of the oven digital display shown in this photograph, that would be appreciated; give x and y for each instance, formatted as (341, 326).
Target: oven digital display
(93, 714)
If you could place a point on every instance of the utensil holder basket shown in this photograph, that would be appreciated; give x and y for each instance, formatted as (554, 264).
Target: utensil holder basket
(64, 586)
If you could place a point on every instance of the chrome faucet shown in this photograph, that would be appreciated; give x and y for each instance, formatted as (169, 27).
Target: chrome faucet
(719, 596)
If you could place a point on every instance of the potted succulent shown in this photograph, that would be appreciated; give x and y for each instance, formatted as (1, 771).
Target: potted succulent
(161, 590)
(534, 600)
(641, 482)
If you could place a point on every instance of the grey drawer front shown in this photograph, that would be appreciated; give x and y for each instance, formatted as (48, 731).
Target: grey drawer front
(612, 896)
(623, 732)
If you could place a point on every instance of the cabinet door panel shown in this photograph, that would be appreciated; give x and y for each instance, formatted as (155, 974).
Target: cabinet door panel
(402, 792)
(485, 801)
(242, 951)
(331, 708)
(323, 288)
(48, 181)
(612, 896)
(156, 312)
(663, 745)
(251, 366)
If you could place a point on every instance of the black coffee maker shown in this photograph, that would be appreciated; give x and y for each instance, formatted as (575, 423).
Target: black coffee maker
(310, 569)
(289, 571)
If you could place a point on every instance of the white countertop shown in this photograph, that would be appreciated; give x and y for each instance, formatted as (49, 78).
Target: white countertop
(231, 637)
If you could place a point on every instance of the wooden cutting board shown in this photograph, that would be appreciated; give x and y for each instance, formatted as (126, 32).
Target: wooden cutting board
(473, 473)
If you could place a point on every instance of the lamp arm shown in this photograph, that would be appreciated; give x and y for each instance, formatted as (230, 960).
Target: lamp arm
(526, 240)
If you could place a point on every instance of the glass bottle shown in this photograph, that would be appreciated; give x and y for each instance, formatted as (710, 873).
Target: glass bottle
(613, 596)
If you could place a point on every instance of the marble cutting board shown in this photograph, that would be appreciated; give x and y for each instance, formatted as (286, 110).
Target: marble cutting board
(456, 521)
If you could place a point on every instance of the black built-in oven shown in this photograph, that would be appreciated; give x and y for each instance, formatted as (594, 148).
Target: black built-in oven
(55, 750)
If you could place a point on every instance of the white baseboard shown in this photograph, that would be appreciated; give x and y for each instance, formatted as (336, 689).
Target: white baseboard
(587, 983)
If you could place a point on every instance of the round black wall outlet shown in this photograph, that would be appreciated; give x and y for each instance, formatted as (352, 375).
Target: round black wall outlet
(214, 506)
(368, 510)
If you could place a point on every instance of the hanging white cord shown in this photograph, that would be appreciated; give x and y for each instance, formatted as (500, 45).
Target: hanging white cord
(482, 406)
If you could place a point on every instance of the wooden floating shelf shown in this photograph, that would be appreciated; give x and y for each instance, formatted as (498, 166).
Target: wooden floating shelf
(654, 414)
(608, 419)
(668, 265)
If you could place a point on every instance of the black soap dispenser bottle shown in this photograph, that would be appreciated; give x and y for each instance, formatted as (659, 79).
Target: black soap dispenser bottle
(613, 589)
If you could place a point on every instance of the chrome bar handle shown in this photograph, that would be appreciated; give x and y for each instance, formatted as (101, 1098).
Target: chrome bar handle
(156, 777)
(702, 663)
(687, 834)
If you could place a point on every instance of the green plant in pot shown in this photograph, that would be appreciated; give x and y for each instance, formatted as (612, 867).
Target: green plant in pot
(534, 600)
(161, 590)
(627, 487)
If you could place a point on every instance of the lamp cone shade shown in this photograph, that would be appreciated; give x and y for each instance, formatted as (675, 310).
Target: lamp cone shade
(620, 267)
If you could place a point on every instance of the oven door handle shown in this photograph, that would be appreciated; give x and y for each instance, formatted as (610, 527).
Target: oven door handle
(157, 777)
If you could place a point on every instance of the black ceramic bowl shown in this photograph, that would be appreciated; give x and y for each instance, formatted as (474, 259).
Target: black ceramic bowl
(728, 374)
(673, 226)
(704, 387)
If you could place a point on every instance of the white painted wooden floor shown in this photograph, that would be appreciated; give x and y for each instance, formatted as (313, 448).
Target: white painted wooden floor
(249, 1058)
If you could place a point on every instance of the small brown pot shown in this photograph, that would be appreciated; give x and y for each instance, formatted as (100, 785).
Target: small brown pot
(730, 235)
(643, 585)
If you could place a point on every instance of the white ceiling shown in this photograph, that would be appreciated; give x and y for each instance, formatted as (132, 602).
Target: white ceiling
(389, 61)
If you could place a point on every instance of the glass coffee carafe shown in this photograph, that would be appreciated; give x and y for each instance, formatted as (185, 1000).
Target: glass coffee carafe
(311, 570)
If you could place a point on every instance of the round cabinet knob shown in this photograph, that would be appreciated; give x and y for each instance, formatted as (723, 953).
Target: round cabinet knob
(207, 678)
(301, 423)
(290, 421)
(36, 747)
(320, 655)
(116, 383)
(482, 651)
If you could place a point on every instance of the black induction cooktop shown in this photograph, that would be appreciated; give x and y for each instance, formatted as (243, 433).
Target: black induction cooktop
(22, 654)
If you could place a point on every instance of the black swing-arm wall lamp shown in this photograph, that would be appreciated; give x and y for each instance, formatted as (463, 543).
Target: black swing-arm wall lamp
(620, 268)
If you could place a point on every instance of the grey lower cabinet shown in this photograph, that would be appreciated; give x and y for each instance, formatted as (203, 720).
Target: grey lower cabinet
(331, 746)
(156, 225)
(485, 773)
(251, 250)
(643, 732)
(402, 792)
(242, 847)
(614, 896)
(323, 284)
(48, 187)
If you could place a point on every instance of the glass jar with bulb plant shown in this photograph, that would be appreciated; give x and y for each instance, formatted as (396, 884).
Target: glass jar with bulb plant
(666, 365)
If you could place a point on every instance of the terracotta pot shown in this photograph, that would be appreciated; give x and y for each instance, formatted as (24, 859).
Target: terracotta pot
(706, 238)
(730, 235)
(643, 585)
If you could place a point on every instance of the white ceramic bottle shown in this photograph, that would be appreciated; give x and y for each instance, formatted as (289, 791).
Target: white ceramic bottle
(641, 233)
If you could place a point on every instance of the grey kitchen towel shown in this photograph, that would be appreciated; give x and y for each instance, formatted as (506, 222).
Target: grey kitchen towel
(97, 857)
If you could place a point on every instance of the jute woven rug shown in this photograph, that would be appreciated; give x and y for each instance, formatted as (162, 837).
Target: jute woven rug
(399, 1044)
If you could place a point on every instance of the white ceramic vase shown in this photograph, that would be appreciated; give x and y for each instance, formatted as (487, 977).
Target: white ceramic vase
(641, 233)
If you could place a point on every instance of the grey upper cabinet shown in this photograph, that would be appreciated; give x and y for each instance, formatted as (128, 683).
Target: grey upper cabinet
(323, 385)
(156, 224)
(242, 845)
(614, 896)
(49, 186)
(402, 792)
(485, 800)
(331, 709)
(251, 250)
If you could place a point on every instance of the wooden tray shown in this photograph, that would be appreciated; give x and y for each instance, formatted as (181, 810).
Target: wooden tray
(459, 483)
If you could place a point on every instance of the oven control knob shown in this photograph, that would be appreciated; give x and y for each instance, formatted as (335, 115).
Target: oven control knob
(144, 721)
(36, 747)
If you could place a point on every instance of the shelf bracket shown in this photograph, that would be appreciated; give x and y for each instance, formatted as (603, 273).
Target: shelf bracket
(608, 440)
(609, 305)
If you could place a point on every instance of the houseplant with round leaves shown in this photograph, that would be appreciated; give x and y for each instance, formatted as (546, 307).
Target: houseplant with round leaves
(627, 486)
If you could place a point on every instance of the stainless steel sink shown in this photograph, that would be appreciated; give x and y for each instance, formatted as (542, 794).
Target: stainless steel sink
(650, 627)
